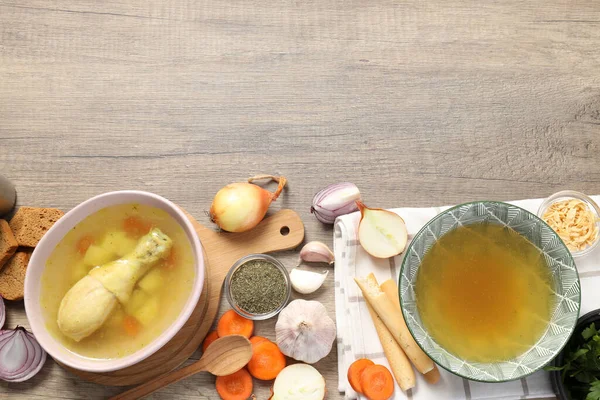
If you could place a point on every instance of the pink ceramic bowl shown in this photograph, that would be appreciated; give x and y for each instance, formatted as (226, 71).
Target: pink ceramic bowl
(55, 235)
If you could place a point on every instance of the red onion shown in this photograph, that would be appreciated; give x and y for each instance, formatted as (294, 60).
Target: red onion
(21, 356)
(2, 312)
(335, 200)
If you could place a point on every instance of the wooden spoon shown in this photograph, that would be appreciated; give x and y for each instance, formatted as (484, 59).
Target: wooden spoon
(224, 356)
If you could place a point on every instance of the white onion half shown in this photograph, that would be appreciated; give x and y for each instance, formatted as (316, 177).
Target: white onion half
(299, 382)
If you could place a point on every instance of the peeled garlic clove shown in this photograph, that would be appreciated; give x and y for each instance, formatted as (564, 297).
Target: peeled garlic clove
(307, 282)
(304, 331)
(335, 200)
(316, 252)
(381, 233)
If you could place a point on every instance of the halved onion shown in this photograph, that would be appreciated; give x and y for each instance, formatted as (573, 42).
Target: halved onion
(299, 382)
(381, 233)
(21, 356)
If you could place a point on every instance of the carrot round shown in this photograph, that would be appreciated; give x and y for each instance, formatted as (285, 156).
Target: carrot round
(267, 361)
(258, 339)
(135, 226)
(355, 371)
(211, 337)
(377, 382)
(231, 323)
(84, 243)
(131, 325)
(237, 386)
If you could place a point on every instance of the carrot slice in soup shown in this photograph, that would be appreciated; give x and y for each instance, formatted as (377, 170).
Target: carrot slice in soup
(355, 371)
(131, 325)
(84, 243)
(231, 323)
(237, 386)
(136, 227)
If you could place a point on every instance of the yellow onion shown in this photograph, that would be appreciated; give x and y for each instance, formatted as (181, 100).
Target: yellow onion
(381, 233)
(240, 206)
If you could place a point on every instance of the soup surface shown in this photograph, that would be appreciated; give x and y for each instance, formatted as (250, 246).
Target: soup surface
(157, 298)
(484, 293)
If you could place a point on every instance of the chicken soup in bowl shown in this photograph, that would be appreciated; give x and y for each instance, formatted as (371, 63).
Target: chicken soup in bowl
(113, 281)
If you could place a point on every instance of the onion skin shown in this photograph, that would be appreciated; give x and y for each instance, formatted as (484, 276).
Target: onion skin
(335, 200)
(239, 207)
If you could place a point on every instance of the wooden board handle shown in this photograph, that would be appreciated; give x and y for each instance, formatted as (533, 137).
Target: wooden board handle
(281, 231)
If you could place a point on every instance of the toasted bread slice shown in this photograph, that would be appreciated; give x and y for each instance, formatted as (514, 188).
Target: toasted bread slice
(8, 243)
(12, 277)
(30, 223)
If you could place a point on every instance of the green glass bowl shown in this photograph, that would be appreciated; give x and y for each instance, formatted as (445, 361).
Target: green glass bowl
(564, 276)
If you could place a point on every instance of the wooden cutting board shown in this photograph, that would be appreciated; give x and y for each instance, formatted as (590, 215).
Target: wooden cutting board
(281, 231)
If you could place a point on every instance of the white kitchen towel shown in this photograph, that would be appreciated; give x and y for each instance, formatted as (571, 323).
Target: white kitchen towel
(356, 335)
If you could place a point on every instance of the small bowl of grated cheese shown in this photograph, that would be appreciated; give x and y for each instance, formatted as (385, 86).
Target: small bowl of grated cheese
(576, 219)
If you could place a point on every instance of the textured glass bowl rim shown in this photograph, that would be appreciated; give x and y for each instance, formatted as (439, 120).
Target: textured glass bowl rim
(572, 194)
(229, 295)
(420, 232)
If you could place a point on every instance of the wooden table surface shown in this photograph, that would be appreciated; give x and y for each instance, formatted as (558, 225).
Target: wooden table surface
(419, 103)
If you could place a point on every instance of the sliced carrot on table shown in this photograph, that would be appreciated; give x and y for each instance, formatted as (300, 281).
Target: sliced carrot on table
(267, 361)
(231, 323)
(377, 383)
(237, 386)
(258, 339)
(211, 337)
(136, 227)
(355, 371)
(131, 325)
(84, 243)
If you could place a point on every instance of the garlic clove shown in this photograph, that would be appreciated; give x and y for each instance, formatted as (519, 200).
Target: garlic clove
(307, 282)
(335, 200)
(317, 252)
(304, 331)
(381, 233)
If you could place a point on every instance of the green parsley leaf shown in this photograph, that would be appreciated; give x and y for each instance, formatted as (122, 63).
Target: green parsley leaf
(581, 369)
(594, 393)
(589, 331)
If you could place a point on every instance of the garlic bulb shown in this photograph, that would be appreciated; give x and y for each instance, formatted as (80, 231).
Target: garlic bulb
(307, 282)
(304, 331)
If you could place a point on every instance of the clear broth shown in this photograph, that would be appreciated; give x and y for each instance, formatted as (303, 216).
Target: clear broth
(484, 293)
(63, 271)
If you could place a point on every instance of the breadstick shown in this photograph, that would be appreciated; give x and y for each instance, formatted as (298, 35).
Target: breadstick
(386, 309)
(401, 368)
(390, 289)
